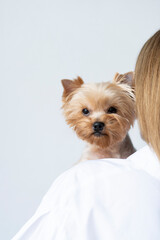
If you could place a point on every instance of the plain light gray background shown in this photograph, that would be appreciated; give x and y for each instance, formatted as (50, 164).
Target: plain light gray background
(42, 42)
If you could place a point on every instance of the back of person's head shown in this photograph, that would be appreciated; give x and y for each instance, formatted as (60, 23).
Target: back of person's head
(147, 87)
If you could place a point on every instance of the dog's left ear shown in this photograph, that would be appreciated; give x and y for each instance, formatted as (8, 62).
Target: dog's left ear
(126, 78)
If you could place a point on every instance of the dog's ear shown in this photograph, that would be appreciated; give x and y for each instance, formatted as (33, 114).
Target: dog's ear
(126, 78)
(70, 86)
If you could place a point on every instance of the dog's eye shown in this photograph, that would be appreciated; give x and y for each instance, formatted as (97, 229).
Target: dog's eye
(85, 111)
(112, 110)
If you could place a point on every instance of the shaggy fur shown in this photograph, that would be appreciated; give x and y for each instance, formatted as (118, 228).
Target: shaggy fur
(113, 140)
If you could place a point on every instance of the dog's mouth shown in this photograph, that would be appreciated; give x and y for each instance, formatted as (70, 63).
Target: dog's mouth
(99, 134)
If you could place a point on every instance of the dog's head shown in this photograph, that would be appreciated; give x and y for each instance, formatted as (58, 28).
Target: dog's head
(100, 113)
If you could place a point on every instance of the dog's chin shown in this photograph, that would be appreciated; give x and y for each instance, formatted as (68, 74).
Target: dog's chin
(101, 140)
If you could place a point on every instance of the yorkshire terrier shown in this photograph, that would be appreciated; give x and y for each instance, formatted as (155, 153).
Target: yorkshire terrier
(101, 114)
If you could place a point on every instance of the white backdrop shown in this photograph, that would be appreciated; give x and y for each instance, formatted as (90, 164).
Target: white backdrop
(43, 41)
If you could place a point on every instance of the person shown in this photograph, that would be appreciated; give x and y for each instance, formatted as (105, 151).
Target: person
(114, 199)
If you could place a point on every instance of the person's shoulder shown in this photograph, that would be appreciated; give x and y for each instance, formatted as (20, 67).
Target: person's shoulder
(102, 175)
(91, 171)
(94, 170)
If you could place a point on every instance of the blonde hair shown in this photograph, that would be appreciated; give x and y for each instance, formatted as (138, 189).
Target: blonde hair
(147, 86)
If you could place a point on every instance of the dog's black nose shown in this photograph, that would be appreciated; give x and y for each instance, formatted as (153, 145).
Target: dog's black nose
(98, 126)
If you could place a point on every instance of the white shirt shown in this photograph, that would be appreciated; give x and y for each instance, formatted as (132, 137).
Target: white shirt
(107, 199)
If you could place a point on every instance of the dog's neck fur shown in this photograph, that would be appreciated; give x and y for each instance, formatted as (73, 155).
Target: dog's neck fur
(120, 150)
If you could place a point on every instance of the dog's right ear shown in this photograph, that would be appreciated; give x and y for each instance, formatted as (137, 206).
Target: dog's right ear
(71, 85)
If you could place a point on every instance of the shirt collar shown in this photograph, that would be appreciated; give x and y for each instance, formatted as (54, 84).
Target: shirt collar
(146, 159)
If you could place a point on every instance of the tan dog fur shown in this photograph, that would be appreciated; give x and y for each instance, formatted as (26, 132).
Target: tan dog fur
(113, 142)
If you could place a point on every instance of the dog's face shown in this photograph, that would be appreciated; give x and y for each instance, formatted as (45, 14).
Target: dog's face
(100, 113)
